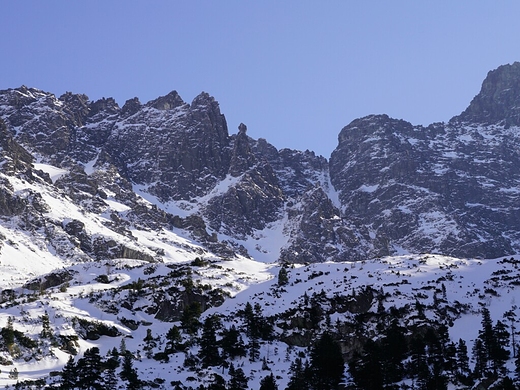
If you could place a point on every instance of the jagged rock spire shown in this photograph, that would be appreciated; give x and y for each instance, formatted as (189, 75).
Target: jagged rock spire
(242, 158)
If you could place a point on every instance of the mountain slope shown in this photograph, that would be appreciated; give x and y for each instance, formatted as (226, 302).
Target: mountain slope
(197, 254)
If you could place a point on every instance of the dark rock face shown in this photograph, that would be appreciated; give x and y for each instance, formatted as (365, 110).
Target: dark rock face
(499, 99)
(444, 188)
(14, 157)
(182, 149)
(319, 233)
(389, 187)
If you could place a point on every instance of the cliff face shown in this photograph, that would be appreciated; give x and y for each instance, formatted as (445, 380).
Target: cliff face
(389, 187)
(450, 188)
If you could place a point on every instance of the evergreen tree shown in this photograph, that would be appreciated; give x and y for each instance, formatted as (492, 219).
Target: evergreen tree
(255, 322)
(255, 325)
(150, 343)
(394, 350)
(283, 277)
(366, 367)
(218, 383)
(419, 369)
(122, 347)
(450, 359)
(480, 357)
(463, 370)
(299, 377)
(173, 340)
(110, 378)
(46, 332)
(110, 365)
(268, 383)
(263, 326)
(507, 384)
(238, 380)
(190, 318)
(128, 372)
(511, 316)
(315, 311)
(499, 352)
(249, 318)
(8, 333)
(486, 337)
(232, 343)
(517, 367)
(254, 348)
(436, 358)
(89, 370)
(68, 375)
(209, 353)
(327, 365)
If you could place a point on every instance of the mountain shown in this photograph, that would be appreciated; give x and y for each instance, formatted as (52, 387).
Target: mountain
(390, 187)
(151, 225)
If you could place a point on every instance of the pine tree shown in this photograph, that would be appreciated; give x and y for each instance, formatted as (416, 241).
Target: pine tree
(68, 375)
(499, 352)
(190, 318)
(150, 344)
(122, 347)
(450, 361)
(254, 347)
(128, 372)
(46, 332)
(283, 277)
(327, 364)
(89, 370)
(487, 337)
(507, 384)
(366, 367)
(232, 343)
(517, 367)
(268, 383)
(463, 369)
(209, 353)
(480, 357)
(436, 358)
(299, 378)
(8, 333)
(173, 340)
(218, 383)
(110, 365)
(238, 380)
(511, 316)
(109, 377)
(394, 350)
(418, 366)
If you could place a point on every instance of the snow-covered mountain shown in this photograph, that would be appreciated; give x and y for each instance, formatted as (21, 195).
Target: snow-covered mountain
(119, 223)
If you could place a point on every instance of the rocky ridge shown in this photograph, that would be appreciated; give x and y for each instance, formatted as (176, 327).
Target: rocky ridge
(389, 186)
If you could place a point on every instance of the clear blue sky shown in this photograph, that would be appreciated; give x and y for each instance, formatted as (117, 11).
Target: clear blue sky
(295, 72)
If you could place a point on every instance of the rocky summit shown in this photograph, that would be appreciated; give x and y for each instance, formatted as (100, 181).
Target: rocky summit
(390, 187)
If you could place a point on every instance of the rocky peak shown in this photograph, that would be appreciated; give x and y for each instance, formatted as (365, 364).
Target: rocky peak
(107, 106)
(168, 102)
(242, 158)
(498, 100)
(130, 107)
(76, 106)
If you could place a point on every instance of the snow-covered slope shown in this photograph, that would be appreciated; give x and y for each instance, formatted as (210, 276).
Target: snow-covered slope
(121, 296)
